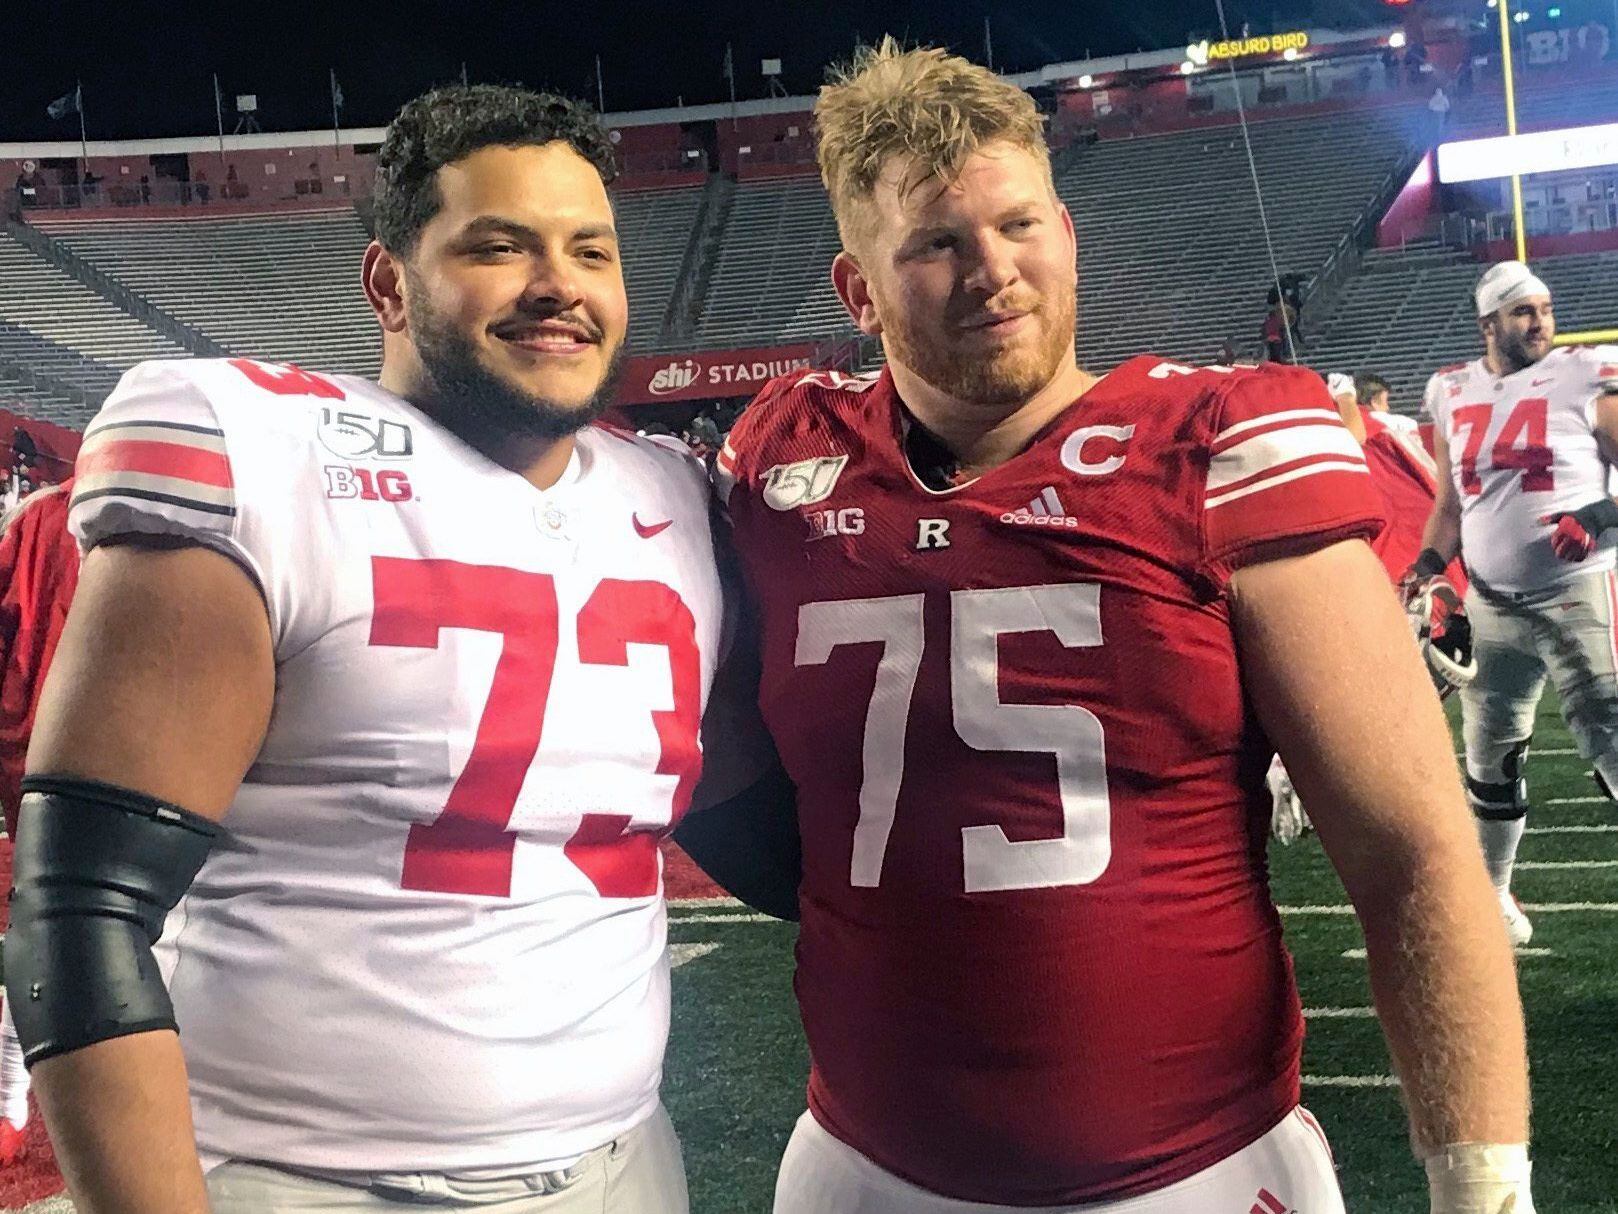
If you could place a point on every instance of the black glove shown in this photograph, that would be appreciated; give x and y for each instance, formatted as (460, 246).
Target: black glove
(1578, 530)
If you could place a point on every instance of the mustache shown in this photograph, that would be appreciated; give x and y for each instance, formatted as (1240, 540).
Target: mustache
(566, 316)
(999, 306)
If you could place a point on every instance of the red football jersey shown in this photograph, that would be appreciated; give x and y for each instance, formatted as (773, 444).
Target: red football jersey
(1406, 480)
(1038, 961)
(39, 568)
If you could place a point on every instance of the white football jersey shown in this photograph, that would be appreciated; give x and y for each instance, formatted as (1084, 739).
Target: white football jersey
(1522, 446)
(432, 934)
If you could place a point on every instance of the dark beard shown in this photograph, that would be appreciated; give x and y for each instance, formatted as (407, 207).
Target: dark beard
(485, 409)
(1514, 352)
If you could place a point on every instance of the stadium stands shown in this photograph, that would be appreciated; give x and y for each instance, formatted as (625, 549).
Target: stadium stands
(1175, 263)
(284, 287)
(87, 339)
(654, 227)
(771, 282)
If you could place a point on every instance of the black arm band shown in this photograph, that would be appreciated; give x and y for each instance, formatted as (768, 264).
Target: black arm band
(749, 845)
(96, 870)
(1429, 563)
(1599, 516)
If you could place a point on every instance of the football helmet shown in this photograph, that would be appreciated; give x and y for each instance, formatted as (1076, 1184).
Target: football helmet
(1443, 632)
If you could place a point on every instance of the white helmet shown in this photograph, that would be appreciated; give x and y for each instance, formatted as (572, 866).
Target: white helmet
(1444, 634)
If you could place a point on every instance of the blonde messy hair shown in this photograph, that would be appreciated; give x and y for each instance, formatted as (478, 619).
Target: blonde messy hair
(926, 106)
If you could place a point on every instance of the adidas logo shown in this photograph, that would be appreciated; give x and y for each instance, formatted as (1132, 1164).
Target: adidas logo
(1046, 510)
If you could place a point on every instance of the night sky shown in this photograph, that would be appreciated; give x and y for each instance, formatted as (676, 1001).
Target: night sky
(147, 68)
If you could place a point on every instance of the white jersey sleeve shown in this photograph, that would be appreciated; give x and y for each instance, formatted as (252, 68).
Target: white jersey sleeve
(201, 450)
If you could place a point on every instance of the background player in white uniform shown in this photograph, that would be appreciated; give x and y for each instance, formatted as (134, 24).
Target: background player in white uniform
(441, 649)
(1523, 439)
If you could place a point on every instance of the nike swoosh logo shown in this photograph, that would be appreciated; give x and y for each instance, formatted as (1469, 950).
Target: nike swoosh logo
(646, 531)
(1538, 383)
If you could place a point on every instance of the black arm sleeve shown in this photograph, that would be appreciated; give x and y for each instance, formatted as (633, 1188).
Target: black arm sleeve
(97, 870)
(749, 845)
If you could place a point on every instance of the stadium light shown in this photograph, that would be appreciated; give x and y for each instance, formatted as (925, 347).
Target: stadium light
(1086, 81)
(1520, 16)
(1553, 13)
(1187, 68)
(1397, 39)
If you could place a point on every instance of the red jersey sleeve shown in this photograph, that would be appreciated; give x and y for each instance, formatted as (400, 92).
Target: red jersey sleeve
(1284, 474)
(39, 566)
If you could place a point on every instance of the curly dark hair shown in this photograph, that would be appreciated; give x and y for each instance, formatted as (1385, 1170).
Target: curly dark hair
(447, 124)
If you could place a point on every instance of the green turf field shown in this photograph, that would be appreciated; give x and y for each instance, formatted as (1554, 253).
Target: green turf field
(737, 1061)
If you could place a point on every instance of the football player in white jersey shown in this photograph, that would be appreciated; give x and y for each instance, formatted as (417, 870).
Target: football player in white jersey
(374, 703)
(1524, 438)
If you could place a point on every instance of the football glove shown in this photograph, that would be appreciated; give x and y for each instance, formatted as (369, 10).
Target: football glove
(1428, 564)
(1577, 531)
(1288, 822)
(1478, 1178)
(1443, 633)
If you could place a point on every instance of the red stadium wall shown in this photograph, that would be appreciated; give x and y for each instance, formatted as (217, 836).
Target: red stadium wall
(706, 374)
(1408, 217)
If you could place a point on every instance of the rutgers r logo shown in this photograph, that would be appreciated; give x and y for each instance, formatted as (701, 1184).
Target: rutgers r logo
(388, 485)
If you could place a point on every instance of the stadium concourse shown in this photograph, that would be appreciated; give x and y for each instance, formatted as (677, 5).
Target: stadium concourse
(727, 237)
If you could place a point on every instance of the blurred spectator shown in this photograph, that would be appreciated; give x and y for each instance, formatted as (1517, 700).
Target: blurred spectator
(199, 186)
(145, 190)
(1438, 107)
(89, 186)
(1373, 393)
(1281, 331)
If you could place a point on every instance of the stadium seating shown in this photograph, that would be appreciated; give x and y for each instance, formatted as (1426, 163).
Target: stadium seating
(283, 287)
(771, 283)
(1173, 263)
(1409, 311)
(287, 287)
(1171, 246)
(654, 228)
(94, 337)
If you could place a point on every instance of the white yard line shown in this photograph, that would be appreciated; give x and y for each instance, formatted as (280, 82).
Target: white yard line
(1571, 830)
(702, 903)
(1562, 865)
(1358, 954)
(1536, 752)
(1350, 1081)
(684, 954)
(1339, 1013)
(1573, 800)
(677, 920)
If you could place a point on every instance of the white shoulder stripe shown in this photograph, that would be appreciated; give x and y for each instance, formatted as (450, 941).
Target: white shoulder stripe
(1269, 419)
(1269, 450)
(1330, 464)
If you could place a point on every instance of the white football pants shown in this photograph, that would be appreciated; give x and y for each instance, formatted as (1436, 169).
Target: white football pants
(639, 1173)
(1288, 1171)
(1564, 634)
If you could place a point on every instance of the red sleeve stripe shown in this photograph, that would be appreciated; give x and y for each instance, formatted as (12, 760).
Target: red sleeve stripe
(113, 454)
(1270, 421)
(1263, 450)
(1272, 478)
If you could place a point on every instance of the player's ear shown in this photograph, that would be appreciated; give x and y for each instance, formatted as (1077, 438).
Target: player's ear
(382, 275)
(855, 292)
(1072, 236)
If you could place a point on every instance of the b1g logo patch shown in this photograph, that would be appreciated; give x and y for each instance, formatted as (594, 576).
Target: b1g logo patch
(360, 436)
(788, 486)
(361, 484)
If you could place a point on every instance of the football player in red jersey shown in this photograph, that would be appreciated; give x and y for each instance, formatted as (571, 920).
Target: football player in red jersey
(1029, 639)
(39, 567)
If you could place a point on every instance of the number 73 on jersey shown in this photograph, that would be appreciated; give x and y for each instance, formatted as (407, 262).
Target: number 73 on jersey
(1070, 732)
